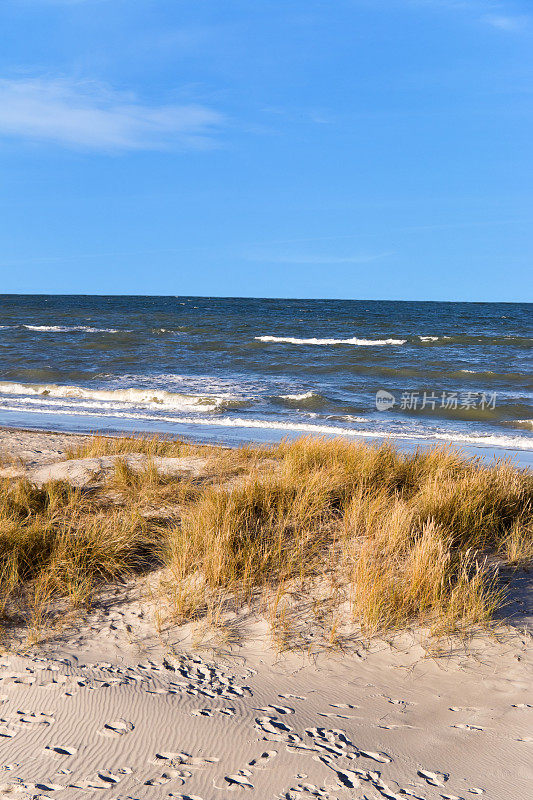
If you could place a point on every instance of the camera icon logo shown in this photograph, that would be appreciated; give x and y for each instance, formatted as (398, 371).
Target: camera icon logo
(384, 400)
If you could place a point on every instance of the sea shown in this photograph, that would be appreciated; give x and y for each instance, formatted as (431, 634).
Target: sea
(234, 370)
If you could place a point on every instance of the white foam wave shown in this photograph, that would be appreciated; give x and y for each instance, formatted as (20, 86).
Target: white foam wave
(504, 442)
(142, 397)
(428, 338)
(304, 396)
(68, 328)
(511, 442)
(523, 423)
(354, 341)
(224, 422)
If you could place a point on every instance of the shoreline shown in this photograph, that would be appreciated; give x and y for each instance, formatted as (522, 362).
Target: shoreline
(520, 458)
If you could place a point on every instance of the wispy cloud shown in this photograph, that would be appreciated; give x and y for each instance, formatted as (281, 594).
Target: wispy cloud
(57, 2)
(509, 23)
(303, 258)
(500, 14)
(92, 116)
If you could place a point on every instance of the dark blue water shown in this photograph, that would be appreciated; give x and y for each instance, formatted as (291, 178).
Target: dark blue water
(241, 369)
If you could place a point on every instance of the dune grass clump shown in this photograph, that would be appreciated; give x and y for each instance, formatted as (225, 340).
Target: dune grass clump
(377, 537)
(407, 535)
(56, 543)
(120, 445)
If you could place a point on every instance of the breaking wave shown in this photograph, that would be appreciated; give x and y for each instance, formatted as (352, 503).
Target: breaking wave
(302, 427)
(141, 397)
(354, 341)
(69, 328)
(307, 400)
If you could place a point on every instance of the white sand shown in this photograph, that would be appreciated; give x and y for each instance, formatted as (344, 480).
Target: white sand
(183, 725)
(114, 710)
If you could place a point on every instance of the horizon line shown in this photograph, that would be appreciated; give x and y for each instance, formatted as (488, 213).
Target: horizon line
(253, 297)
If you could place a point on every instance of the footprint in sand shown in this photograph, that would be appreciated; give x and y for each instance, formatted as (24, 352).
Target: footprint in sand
(382, 758)
(467, 726)
(346, 777)
(335, 716)
(44, 786)
(239, 781)
(27, 680)
(304, 790)
(292, 697)
(210, 712)
(395, 702)
(111, 777)
(276, 709)
(433, 778)
(180, 758)
(334, 737)
(117, 727)
(104, 779)
(340, 707)
(263, 761)
(169, 775)
(34, 718)
(60, 750)
(5, 731)
(185, 796)
(272, 726)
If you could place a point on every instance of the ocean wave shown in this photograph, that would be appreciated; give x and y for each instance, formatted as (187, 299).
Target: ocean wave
(150, 397)
(354, 341)
(486, 440)
(525, 424)
(468, 339)
(304, 400)
(69, 328)
(454, 438)
(303, 396)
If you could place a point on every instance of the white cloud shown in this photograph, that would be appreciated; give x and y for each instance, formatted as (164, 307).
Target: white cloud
(508, 23)
(298, 258)
(497, 13)
(91, 116)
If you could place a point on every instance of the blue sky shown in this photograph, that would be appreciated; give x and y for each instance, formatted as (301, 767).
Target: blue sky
(290, 148)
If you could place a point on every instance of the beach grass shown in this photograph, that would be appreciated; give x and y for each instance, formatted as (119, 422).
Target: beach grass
(380, 539)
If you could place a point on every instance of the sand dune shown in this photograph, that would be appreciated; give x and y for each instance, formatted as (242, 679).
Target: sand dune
(113, 709)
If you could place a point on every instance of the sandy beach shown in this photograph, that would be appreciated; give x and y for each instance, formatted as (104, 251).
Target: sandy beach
(116, 705)
(266, 400)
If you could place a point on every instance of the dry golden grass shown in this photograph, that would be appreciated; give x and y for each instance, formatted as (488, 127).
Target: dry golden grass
(400, 538)
(111, 445)
(54, 542)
